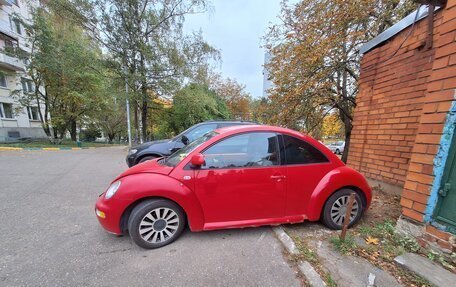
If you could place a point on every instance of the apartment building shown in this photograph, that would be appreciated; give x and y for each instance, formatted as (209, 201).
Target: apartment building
(16, 121)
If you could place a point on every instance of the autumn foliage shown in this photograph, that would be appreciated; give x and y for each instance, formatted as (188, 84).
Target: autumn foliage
(314, 62)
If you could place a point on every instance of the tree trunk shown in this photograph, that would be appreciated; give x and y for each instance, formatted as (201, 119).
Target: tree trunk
(136, 122)
(144, 109)
(111, 137)
(348, 128)
(145, 99)
(73, 131)
(346, 109)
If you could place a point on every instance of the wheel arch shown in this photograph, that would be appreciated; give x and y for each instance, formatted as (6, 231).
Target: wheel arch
(146, 186)
(155, 154)
(127, 212)
(337, 179)
(351, 187)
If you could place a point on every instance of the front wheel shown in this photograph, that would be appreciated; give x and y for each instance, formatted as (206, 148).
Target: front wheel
(335, 207)
(156, 223)
(337, 151)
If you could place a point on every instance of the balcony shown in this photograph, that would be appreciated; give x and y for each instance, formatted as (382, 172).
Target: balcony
(11, 63)
(5, 28)
(7, 2)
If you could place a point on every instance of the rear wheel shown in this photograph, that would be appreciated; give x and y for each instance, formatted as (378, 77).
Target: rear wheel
(156, 223)
(146, 158)
(337, 151)
(335, 207)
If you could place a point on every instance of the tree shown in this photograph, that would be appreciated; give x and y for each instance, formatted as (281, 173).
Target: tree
(262, 110)
(234, 94)
(332, 126)
(64, 66)
(315, 61)
(147, 40)
(196, 103)
(112, 115)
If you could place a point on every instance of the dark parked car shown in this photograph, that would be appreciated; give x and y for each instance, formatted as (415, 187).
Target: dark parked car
(160, 148)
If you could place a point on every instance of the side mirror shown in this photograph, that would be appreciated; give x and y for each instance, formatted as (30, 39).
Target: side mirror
(185, 140)
(198, 160)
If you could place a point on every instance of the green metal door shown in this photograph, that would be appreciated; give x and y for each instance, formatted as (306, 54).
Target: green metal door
(446, 206)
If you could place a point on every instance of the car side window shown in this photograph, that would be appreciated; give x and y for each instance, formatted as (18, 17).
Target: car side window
(245, 150)
(296, 151)
(200, 131)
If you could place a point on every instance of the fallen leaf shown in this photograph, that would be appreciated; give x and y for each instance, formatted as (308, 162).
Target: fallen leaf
(372, 240)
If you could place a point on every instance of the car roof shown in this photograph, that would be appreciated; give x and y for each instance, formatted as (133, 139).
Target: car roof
(252, 128)
(229, 121)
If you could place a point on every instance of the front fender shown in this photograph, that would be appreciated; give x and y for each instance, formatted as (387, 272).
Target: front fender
(144, 185)
(334, 180)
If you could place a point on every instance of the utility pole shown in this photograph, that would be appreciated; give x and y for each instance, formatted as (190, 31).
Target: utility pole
(128, 111)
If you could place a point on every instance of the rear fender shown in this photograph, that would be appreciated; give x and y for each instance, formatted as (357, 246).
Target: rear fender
(136, 187)
(336, 179)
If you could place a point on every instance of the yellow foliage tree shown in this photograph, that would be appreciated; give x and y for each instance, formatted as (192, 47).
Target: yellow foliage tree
(332, 126)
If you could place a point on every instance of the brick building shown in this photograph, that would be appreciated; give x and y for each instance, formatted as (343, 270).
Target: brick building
(403, 136)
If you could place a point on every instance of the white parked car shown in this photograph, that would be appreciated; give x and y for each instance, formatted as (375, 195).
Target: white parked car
(337, 147)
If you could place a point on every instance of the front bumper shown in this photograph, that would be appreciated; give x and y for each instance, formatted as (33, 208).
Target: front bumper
(130, 159)
(112, 211)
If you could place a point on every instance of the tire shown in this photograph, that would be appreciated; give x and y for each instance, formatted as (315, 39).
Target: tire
(161, 222)
(336, 203)
(337, 151)
(146, 158)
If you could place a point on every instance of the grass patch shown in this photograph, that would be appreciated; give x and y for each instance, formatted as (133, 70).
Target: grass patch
(330, 281)
(307, 254)
(385, 245)
(343, 246)
(64, 143)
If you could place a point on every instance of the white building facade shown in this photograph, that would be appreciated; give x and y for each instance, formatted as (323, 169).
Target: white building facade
(267, 83)
(16, 121)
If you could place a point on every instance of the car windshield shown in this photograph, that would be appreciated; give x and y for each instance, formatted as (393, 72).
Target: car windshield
(179, 155)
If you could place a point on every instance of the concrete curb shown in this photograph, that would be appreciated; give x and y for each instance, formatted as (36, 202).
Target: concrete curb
(306, 269)
(4, 148)
(286, 240)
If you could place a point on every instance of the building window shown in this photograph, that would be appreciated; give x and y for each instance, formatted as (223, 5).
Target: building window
(9, 47)
(6, 111)
(17, 26)
(2, 81)
(27, 86)
(33, 113)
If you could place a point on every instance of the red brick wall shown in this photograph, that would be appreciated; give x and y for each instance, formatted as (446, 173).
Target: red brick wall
(402, 106)
(389, 106)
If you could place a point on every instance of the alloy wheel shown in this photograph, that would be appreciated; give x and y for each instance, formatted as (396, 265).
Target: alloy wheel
(159, 225)
(339, 208)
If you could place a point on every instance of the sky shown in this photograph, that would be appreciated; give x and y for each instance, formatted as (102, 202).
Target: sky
(236, 28)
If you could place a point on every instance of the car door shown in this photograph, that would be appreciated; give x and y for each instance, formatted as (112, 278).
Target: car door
(305, 168)
(242, 179)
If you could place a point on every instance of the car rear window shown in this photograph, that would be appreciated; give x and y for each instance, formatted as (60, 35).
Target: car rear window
(296, 151)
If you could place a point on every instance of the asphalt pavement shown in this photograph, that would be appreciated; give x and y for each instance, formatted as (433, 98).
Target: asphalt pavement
(49, 235)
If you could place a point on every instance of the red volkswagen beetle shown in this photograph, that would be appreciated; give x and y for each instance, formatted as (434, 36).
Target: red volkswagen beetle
(232, 177)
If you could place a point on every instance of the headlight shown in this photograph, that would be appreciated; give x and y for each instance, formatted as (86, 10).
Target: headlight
(112, 189)
(132, 151)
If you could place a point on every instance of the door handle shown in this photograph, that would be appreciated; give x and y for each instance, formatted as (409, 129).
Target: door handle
(278, 177)
(446, 188)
